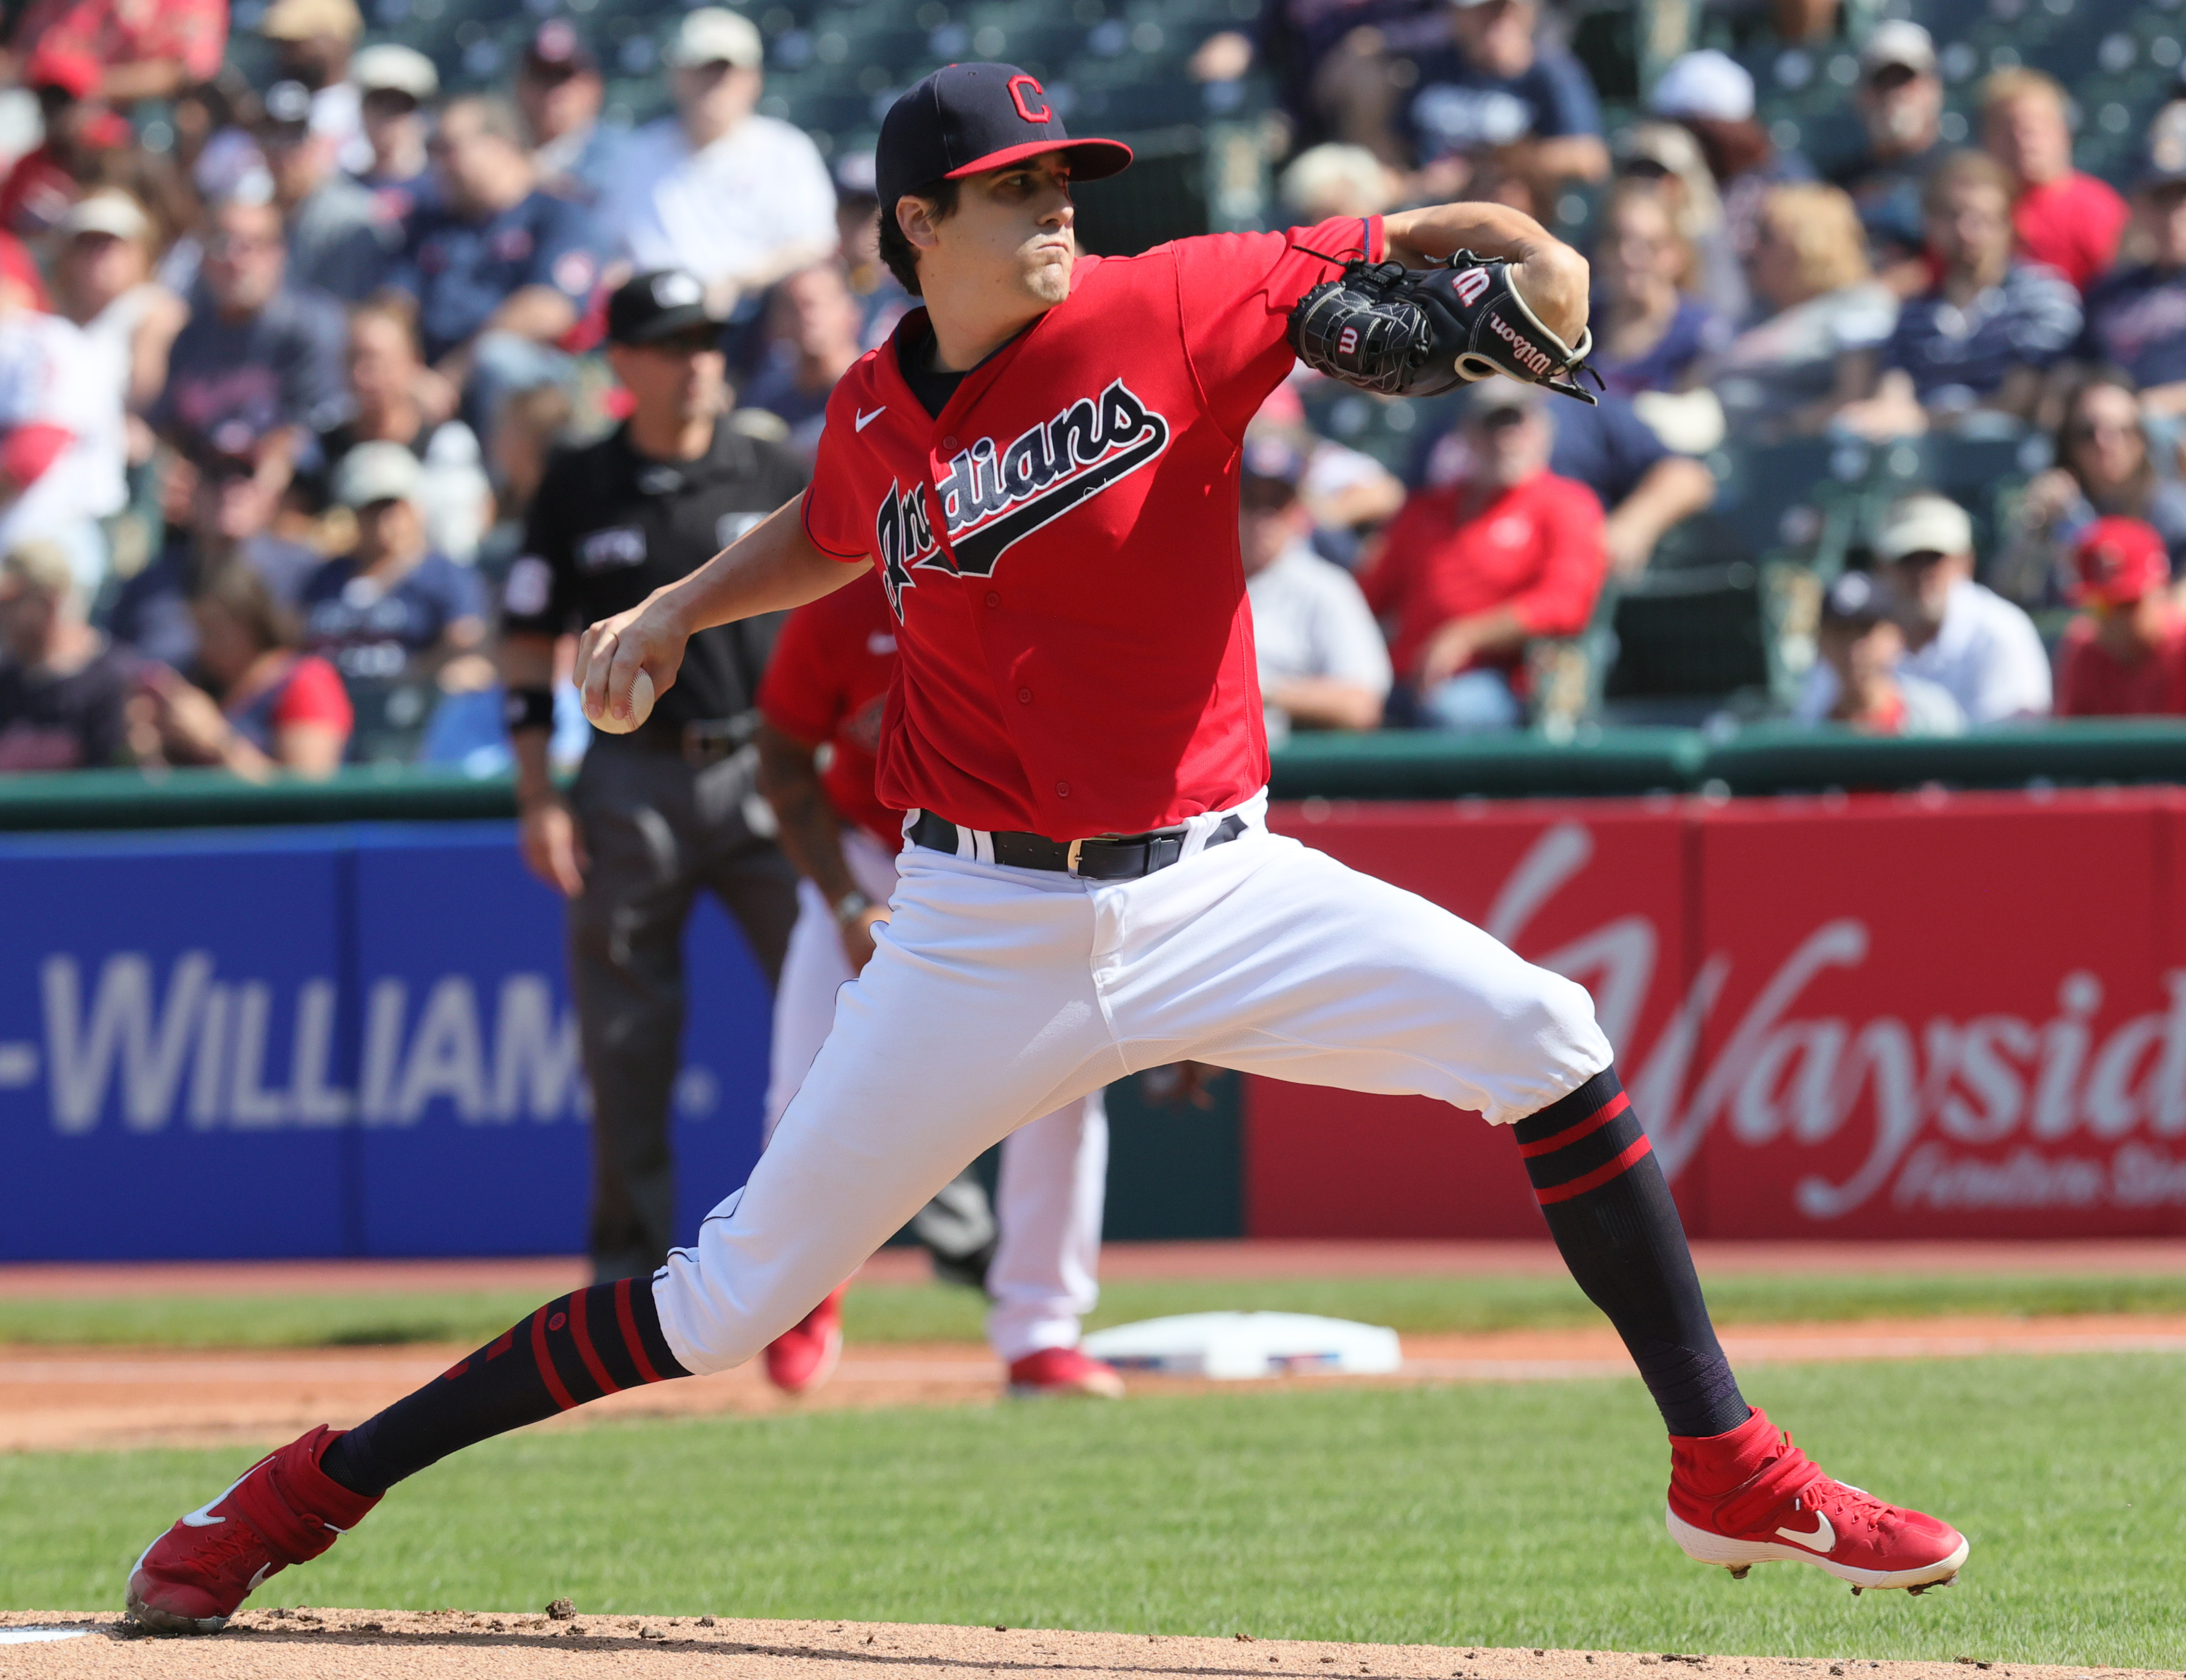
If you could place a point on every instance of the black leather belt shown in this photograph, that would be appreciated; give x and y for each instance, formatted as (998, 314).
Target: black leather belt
(1110, 857)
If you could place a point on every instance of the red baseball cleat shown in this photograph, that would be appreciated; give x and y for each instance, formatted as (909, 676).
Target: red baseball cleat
(284, 1510)
(1063, 1370)
(1749, 1497)
(803, 1356)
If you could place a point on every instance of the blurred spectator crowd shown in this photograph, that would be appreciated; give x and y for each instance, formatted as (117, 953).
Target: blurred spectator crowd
(278, 387)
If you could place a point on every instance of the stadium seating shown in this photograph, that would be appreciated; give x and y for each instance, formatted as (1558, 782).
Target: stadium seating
(1723, 616)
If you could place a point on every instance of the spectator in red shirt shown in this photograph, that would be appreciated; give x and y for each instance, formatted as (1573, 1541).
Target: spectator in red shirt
(80, 130)
(1471, 572)
(277, 709)
(2125, 655)
(145, 49)
(2070, 221)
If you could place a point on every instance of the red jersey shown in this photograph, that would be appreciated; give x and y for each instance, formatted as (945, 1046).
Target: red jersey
(2073, 224)
(828, 680)
(1536, 547)
(2092, 682)
(1060, 546)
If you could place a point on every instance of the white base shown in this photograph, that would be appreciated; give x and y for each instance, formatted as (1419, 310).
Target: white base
(1703, 1547)
(1240, 1347)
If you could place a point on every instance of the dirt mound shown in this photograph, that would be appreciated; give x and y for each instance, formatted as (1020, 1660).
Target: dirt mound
(406, 1645)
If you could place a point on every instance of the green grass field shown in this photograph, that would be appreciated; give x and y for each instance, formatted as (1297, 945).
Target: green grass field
(1523, 1515)
(937, 1312)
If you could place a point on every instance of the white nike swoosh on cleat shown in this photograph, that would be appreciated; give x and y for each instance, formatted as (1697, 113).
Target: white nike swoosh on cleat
(1823, 1538)
(203, 1517)
(865, 420)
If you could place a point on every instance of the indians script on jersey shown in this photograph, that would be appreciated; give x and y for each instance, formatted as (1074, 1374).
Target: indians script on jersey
(995, 497)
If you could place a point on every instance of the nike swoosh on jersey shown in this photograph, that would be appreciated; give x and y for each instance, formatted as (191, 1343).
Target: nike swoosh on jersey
(865, 420)
(1823, 1538)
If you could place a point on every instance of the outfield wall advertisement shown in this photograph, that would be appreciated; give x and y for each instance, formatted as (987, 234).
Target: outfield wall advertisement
(321, 1042)
(1887, 1016)
(1853, 1018)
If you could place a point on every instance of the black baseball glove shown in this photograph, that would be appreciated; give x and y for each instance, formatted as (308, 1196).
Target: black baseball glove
(1419, 332)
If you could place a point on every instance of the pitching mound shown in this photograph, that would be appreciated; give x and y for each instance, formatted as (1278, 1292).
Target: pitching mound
(408, 1645)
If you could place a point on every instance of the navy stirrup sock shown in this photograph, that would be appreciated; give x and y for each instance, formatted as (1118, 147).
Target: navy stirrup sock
(575, 1349)
(1609, 1208)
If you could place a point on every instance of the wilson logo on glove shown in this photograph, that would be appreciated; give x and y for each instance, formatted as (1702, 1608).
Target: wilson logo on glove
(1531, 357)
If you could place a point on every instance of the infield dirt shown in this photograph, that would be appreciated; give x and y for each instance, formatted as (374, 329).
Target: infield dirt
(404, 1645)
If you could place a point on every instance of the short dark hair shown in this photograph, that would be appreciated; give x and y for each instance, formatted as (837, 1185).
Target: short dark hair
(896, 250)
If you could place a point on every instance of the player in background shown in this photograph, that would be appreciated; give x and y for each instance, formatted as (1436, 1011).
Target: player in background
(823, 701)
(1042, 464)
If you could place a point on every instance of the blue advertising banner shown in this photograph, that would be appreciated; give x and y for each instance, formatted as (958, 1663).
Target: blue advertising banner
(323, 1042)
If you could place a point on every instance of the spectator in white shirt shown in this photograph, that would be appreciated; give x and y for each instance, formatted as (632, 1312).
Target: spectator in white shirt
(1323, 663)
(718, 190)
(1959, 636)
(62, 440)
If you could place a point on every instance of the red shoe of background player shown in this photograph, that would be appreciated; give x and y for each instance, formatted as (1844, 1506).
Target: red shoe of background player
(1748, 1498)
(802, 1358)
(284, 1510)
(1063, 1370)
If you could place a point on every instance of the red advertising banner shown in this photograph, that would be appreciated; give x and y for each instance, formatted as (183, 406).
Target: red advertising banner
(1875, 1017)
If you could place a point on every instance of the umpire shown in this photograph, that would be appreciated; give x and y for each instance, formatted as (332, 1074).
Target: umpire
(662, 812)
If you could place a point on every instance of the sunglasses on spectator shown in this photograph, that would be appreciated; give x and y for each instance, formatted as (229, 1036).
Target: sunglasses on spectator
(2087, 431)
(223, 247)
(1889, 78)
(695, 343)
(1265, 496)
(1502, 419)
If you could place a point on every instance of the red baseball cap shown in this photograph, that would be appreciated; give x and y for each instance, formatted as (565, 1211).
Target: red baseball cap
(75, 73)
(2118, 561)
(967, 118)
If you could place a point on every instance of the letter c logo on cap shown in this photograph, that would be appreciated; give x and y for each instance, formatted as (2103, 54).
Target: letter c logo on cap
(1018, 85)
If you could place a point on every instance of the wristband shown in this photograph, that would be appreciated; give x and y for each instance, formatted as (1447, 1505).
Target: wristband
(851, 906)
(529, 708)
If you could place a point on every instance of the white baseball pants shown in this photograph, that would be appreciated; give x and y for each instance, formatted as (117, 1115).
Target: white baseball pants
(1053, 1186)
(997, 994)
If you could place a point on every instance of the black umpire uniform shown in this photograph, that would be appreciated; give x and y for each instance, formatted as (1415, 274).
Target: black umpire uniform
(671, 808)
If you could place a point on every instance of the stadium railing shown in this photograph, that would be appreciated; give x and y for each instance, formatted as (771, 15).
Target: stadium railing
(1757, 759)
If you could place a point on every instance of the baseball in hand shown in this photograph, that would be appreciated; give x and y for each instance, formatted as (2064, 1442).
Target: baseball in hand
(641, 708)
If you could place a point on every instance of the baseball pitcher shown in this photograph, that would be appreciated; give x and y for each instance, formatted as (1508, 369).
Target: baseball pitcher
(1042, 467)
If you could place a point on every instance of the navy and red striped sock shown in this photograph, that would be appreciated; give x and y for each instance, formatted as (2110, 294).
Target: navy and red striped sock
(577, 1349)
(1610, 1210)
